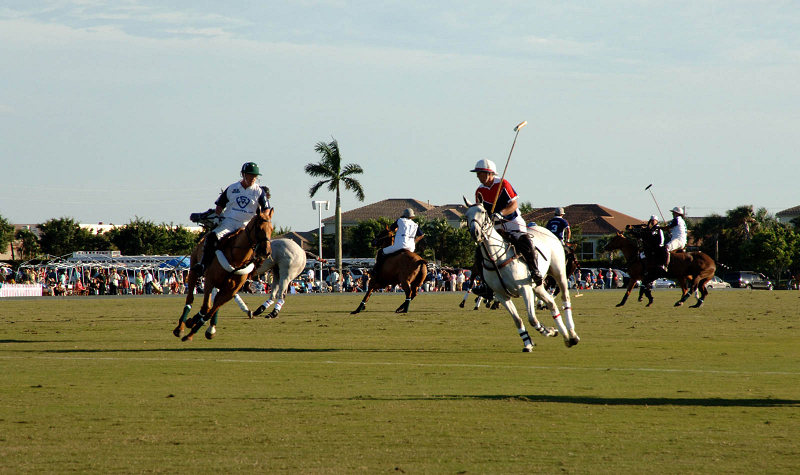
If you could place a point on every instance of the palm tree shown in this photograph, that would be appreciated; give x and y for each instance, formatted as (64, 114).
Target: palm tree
(334, 175)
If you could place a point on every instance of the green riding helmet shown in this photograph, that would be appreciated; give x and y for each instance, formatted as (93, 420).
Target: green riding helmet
(251, 168)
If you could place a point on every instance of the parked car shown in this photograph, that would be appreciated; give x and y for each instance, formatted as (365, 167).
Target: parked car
(748, 279)
(717, 283)
(662, 283)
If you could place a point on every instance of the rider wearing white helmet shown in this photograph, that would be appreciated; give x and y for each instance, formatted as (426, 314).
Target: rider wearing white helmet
(237, 205)
(677, 231)
(507, 216)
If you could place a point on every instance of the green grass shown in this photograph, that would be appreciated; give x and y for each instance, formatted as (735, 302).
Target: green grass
(101, 385)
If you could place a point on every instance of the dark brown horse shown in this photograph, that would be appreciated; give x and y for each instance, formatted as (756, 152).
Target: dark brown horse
(239, 250)
(403, 267)
(692, 270)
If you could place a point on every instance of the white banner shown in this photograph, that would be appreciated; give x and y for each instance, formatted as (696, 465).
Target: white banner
(21, 290)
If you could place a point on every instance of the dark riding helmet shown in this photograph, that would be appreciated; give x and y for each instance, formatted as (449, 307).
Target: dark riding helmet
(266, 191)
(251, 168)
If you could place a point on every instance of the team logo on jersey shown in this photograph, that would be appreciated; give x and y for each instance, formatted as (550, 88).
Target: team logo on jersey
(242, 201)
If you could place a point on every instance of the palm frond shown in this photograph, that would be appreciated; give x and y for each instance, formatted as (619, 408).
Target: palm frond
(355, 186)
(313, 190)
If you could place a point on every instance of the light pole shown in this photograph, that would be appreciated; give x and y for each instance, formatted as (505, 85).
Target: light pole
(317, 205)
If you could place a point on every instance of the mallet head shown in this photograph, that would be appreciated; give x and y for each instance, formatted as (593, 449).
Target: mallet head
(520, 125)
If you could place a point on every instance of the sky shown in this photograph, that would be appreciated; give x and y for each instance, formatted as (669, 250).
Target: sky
(117, 110)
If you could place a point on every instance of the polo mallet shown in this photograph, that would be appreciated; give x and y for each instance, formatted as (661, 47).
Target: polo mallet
(656, 202)
(500, 188)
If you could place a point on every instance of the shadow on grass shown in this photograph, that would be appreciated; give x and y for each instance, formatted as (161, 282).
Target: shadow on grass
(610, 401)
(187, 349)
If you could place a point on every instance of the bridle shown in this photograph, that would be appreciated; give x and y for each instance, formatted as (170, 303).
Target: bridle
(481, 230)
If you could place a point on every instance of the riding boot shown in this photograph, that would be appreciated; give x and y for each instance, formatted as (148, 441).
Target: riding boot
(525, 247)
(666, 260)
(481, 290)
(209, 248)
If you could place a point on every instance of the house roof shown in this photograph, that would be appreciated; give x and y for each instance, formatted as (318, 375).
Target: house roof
(297, 236)
(793, 211)
(593, 219)
(392, 208)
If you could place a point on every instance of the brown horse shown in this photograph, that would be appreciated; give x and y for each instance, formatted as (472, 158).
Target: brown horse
(403, 267)
(692, 270)
(239, 250)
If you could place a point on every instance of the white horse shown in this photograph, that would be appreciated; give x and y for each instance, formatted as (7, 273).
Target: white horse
(508, 277)
(286, 262)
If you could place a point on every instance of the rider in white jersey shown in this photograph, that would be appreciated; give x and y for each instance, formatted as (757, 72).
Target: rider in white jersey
(236, 205)
(677, 232)
(407, 234)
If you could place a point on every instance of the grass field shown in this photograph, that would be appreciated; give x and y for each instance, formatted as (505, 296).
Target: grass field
(101, 385)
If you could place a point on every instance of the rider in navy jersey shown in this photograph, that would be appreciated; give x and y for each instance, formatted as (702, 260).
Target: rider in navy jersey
(559, 226)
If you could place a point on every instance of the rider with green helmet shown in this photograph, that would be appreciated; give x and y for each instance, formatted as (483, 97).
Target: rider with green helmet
(236, 205)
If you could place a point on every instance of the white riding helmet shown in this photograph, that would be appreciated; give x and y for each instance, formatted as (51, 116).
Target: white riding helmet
(408, 213)
(678, 210)
(485, 165)
(653, 218)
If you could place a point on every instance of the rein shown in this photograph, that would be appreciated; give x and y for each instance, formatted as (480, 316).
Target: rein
(488, 258)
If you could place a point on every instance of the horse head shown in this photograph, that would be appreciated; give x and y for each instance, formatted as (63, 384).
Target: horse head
(477, 219)
(383, 238)
(259, 229)
(616, 243)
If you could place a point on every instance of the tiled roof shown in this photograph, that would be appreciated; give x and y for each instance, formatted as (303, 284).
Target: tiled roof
(391, 208)
(593, 219)
(793, 211)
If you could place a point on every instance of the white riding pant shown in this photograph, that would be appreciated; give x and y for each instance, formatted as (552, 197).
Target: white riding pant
(676, 244)
(514, 227)
(227, 226)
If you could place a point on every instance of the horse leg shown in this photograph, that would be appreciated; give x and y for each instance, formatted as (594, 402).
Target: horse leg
(478, 301)
(243, 306)
(701, 286)
(363, 303)
(567, 311)
(403, 308)
(199, 319)
(212, 326)
(191, 281)
(628, 293)
(530, 304)
(543, 294)
(527, 344)
(275, 311)
(649, 296)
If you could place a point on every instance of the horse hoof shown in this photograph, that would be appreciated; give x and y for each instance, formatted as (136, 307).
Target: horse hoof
(620, 304)
(259, 310)
(476, 308)
(461, 304)
(187, 337)
(401, 310)
(527, 349)
(249, 314)
(178, 331)
(212, 330)
(272, 314)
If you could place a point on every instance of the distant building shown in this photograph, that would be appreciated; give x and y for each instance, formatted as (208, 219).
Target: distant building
(788, 214)
(392, 208)
(596, 221)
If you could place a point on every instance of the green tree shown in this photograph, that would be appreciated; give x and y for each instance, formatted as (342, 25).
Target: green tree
(6, 234)
(334, 175)
(62, 236)
(361, 236)
(140, 237)
(772, 249)
(179, 240)
(30, 247)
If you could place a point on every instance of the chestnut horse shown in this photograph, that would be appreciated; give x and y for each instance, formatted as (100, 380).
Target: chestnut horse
(692, 270)
(234, 261)
(402, 267)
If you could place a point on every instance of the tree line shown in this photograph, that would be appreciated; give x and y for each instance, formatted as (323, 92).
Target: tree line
(742, 239)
